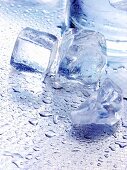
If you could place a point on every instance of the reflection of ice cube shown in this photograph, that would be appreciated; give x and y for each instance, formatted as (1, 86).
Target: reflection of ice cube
(34, 51)
(82, 56)
(105, 107)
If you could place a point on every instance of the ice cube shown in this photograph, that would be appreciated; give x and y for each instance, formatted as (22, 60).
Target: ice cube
(82, 56)
(103, 107)
(34, 51)
(110, 96)
(86, 113)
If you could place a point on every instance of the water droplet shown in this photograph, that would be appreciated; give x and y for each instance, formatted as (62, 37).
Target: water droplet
(29, 156)
(36, 148)
(121, 144)
(47, 100)
(106, 155)
(33, 121)
(112, 147)
(55, 119)
(18, 162)
(85, 93)
(50, 134)
(125, 137)
(64, 141)
(107, 150)
(16, 90)
(76, 149)
(45, 114)
(57, 85)
(124, 123)
(17, 155)
(115, 166)
(100, 159)
(7, 153)
(98, 164)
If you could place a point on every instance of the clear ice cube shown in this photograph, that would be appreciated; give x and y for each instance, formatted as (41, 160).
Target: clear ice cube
(110, 96)
(82, 56)
(103, 107)
(34, 51)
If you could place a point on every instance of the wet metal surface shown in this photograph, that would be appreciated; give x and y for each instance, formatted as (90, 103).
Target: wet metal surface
(35, 129)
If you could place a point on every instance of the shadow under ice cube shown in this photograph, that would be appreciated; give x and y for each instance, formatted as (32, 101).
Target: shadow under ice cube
(34, 51)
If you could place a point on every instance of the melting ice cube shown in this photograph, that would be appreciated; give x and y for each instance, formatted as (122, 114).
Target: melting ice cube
(34, 51)
(82, 56)
(104, 107)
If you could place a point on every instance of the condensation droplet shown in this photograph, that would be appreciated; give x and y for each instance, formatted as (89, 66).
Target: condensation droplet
(45, 114)
(124, 123)
(47, 100)
(112, 147)
(121, 144)
(125, 137)
(29, 156)
(33, 121)
(57, 85)
(50, 134)
(55, 119)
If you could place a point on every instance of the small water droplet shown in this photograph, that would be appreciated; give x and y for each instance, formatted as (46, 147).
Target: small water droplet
(45, 114)
(106, 155)
(57, 85)
(100, 159)
(33, 121)
(115, 166)
(112, 147)
(76, 149)
(125, 137)
(17, 155)
(37, 157)
(124, 123)
(64, 141)
(16, 90)
(107, 150)
(29, 156)
(99, 164)
(55, 119)
(98, 148)
(7, 153)
(18, 162)
(36, 148)
(47, 100)
(121, 144)
(50, 134)
(85, 93)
